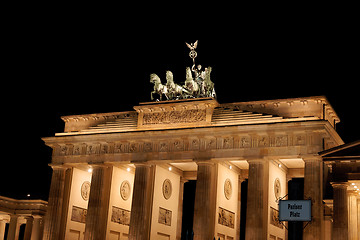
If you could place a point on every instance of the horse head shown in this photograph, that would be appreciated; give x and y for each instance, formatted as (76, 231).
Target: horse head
(207, 74)
(188, 75)
(169, 77)
(154, 78)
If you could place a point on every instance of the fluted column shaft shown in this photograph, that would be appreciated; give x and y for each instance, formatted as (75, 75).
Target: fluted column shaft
(98, 207)
(13, 228)
(28, 227)
(257, 200)
(313, 189)
(53, 217)
(205, 201)
(141, 208)
(340, 215)
(353, 218)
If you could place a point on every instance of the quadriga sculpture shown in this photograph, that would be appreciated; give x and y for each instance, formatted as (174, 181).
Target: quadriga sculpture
(202, 86)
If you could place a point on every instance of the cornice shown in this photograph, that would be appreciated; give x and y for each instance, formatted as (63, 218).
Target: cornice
(272, 128)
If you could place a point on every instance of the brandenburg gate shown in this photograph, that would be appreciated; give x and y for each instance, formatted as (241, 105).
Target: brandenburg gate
(121, 175)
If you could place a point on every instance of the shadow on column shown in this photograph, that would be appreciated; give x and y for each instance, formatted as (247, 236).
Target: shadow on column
(244, 188)
(6, 230)
(22, 231)
(188, 210)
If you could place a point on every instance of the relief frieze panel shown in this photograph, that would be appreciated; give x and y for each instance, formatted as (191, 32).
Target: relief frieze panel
(208, 143)
(174, 117)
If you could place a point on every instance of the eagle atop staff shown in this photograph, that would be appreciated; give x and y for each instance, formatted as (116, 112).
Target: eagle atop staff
(192, 46)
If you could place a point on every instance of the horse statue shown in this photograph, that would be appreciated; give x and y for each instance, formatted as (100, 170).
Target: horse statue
(208, 84)
(174, 90)
(158, 87)
(190, 84)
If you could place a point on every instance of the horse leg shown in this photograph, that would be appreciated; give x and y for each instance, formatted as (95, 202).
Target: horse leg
(151, 94)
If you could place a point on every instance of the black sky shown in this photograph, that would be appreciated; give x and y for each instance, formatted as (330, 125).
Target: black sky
(71, 65)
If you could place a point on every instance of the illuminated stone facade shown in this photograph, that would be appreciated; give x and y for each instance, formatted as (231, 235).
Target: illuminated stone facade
(21, 219)
(137, 163)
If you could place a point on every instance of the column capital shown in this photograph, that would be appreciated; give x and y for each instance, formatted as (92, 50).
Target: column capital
(143, 164)
(29, 217)
(311, 158)
(256, 160)
(340, 184)
(352, 193)
(98, 165)
(241, 178)
(206, 162)
(60, 166)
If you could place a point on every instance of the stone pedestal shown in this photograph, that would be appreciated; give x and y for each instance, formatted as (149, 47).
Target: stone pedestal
(313, 189)
(141, 208)
(257, 200)
(98, 207)
(205, 201)
(340, 215)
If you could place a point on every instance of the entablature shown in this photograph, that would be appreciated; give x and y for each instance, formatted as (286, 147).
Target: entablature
(280, 139)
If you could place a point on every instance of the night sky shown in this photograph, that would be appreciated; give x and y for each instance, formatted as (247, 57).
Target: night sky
(59, 67)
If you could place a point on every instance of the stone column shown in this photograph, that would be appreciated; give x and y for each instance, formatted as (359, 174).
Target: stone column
(358, 213)
(142, 202)
(340, 211)
(238, 213)
(313, 189)
(54, 214)
(205, 201)
(13, 228)
(28, 227)
(2, 229)
(37, 229)
(257, 200)
(98, 207)
(352, 207)
(180, 208)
